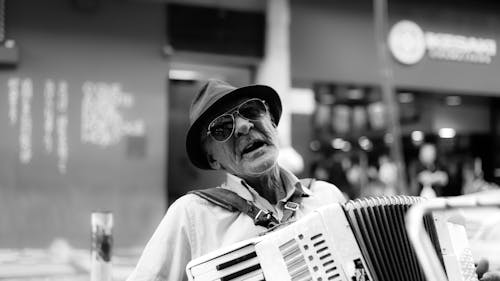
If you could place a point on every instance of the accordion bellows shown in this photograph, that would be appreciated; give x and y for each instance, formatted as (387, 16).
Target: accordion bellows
(364, 239)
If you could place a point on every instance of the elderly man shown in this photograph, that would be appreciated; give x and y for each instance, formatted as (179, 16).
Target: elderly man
(232, 129)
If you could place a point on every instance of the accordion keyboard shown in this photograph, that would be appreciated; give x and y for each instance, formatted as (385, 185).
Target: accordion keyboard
(364, 239)
(240, 263)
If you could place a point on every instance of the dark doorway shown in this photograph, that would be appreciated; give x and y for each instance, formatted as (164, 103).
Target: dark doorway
(184, 82)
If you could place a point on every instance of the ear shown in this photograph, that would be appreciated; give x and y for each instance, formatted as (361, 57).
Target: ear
(273, 122)
(214, 164)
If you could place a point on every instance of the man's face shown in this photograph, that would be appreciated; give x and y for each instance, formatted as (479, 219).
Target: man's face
(250, 151)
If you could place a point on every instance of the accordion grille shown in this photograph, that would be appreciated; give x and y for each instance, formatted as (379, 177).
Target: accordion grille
(378, 225)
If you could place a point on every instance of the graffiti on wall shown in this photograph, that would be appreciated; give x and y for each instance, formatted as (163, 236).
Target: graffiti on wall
(103, 122)
(20, 94)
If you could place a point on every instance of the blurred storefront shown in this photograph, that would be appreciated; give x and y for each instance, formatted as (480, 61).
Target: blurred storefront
(444, 66)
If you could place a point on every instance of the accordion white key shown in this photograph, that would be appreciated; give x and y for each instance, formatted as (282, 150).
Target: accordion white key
(364, 239)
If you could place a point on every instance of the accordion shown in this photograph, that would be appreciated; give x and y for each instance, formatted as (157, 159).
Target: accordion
(363, 239)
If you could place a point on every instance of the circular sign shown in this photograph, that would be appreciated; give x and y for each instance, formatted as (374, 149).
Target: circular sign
(407, 42)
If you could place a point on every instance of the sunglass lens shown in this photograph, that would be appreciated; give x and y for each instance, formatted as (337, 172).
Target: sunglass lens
(221, 127)
(253, 109)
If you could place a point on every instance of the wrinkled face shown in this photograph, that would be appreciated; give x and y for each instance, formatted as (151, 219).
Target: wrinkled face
(250, 151)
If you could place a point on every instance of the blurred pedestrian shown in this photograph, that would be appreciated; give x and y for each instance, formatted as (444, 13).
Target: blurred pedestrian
(388, 174)
(428, 178)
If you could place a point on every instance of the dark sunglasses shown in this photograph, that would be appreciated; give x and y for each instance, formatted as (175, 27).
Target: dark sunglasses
(222, 127)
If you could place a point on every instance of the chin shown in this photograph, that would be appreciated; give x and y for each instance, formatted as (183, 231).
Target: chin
(262, 167)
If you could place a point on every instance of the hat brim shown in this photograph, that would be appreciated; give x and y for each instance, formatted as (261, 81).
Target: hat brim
(194, 148)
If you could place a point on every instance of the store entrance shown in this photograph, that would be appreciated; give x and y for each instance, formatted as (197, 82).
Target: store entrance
(351, 141)
(464, 129)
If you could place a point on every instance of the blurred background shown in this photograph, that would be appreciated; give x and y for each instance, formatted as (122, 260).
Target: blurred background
(381, 98)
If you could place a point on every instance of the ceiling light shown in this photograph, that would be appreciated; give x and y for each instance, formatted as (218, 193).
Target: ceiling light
(447, 133)
(417, 136)
(406, 97)
(453, 100)
(177, 74)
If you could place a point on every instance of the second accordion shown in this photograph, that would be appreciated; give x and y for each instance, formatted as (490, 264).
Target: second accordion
(363, 239)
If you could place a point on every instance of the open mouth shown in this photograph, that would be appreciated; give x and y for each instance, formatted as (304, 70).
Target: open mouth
(252, 146)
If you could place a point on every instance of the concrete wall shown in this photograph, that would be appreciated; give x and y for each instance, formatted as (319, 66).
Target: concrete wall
(332, 41)
(51, 193)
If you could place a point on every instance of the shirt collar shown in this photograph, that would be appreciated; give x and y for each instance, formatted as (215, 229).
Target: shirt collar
(292, 186)
(238, 186)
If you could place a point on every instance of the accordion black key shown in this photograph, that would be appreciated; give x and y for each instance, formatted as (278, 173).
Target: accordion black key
(364, 239)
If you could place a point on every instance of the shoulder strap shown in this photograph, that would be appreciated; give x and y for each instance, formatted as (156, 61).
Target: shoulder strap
(293, 203)
(232, 202)
(221, 197)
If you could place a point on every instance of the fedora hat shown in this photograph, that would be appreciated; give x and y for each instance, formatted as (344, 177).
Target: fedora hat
(215, 98)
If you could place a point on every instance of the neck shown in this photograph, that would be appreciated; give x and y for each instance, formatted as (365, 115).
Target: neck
(268, 185)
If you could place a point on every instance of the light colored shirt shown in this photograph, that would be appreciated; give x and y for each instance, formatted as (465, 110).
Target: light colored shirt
(193, 227)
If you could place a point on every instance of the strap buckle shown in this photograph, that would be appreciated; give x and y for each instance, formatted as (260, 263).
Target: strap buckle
(292, 206)
(263, 218)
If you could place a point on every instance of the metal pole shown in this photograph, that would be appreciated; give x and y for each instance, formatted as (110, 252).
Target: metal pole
(102, 244)
(388, 93)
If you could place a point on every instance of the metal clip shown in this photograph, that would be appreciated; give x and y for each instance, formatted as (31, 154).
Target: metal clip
(291, 206)
(258, 217)
(263, 218)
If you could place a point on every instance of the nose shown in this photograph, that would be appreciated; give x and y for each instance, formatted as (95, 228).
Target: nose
(242, 126)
